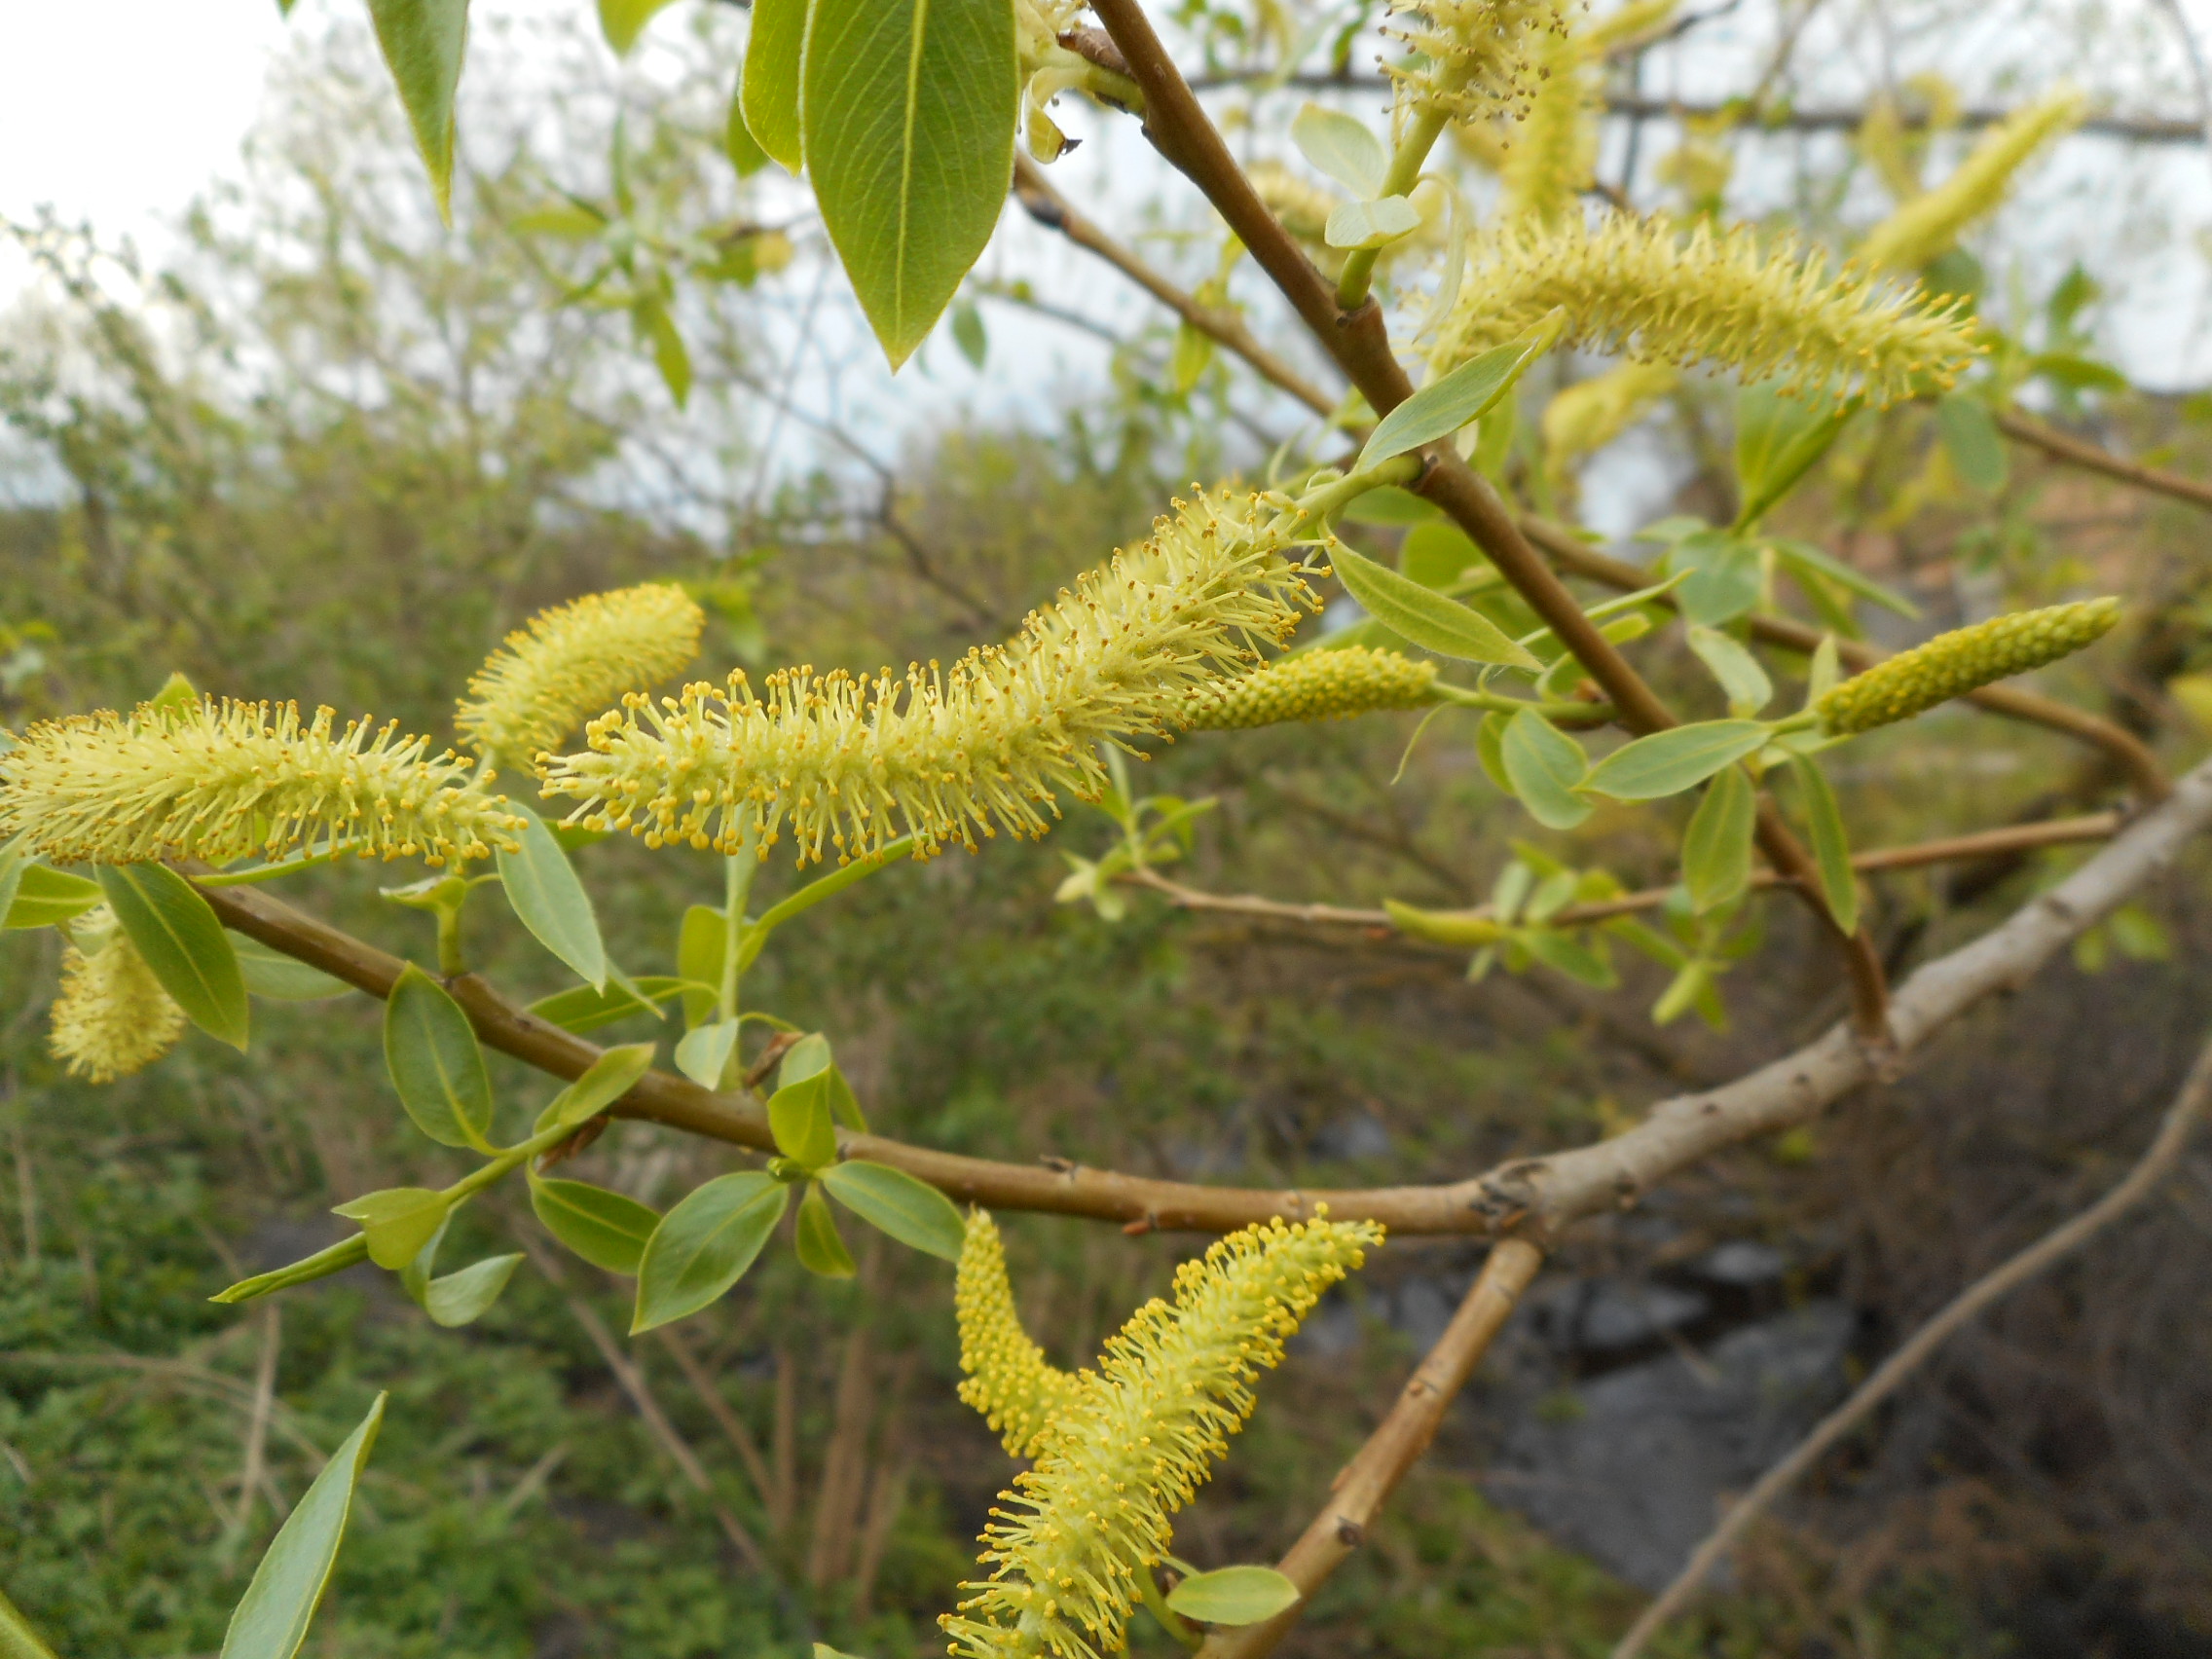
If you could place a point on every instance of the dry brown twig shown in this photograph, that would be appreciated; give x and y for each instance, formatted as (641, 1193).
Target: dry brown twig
(2155, 1165)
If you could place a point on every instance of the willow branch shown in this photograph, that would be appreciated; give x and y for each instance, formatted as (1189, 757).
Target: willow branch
(2155, 1165)
(1360, 341)
(1049, 209)
(1950, 849)
(2129, 751)
(1550, 1191)
(2024, 427)
(1364, 1483)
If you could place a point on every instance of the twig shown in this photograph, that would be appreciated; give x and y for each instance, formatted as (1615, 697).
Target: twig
(1951, 849)
(257, 1422)
(2052, 1248)
(2024, 427)
(728, 1421)
(1364, 1483)
(1675, 1134)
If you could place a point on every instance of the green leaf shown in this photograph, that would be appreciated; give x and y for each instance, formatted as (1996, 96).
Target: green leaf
(967, 334)
(271, 974)
(1544, 766)
(798, 1117)
(606, 1081)
(622, 22)
(1565, 954)
(1724, 575)
(1443, 927)
(569, 219)
(804, 1059)
(768, 89)
(1778, 439)
(272, 1618)
(1691, 984)
(607, 1230)
(44, 895)
(1437, 555)
(1490, 749)
(424, 42)
(1831, 847)
(464, 1297)
(177, 931)
(14, 860)
(738, 143)
(335, 1259)
(907, 108)
(823, 1650)
(550, 901)
(1971, 440)
(1803, 555)
(704, 1245)
(430, 1050)
(580, 1009)
(397, 1222)
(699, 946)
(653, 324)
(1371, 223)
(2077, 373)
(1717, 849)
(17, 1641)
(1742, 679)
(911, 1212)
(1422, 616)
(820, 1248)
(1443, 406)
(1187, 361)
(1667, 763)
(1390, 505)
(1341, 146)
(703, 1055)
(1234, 1596)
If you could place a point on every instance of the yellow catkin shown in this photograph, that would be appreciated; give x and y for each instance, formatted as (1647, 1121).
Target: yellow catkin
(1591, 414)
(218, 780)
(850, 762)
(570, 662)
(1138, 1439)
(1476, 59)
(1640, 287)
(1950, 665)
(1313, 686)
(1007, 1377)
(1552, 157)
(1931, 222)
(112, 1017)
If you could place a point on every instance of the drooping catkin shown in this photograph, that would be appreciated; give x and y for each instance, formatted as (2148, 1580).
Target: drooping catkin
(112, 1017)
(850, 763)
(1313, 686)
(1007, 1378)
(1931, 222)
(1552, 157)
(1640, 287)
(1477, 59)
(1587, 416)
(1950, 665)
(1140, 1437)
(572, 661)
(220, 779)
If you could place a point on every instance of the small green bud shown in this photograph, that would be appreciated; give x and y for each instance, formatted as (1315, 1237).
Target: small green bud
(1952, 664)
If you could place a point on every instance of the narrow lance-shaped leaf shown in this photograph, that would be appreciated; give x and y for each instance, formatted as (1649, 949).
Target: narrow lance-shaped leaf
(17, 1641)
(769, 92)
(1545, 767)
(1831, 847)
(272, 976)
(430, 1050)
(907, 109)
(550, 901)
(1667, 763)
(1443, 406)
(44, 897)
(1234, 1596)
(464, 1297)
(1717, 849)
(607, 1230)
(911, 1212)
(177, 931)
(1422, 616)
(272, 1618)
(608, 1079)
(704, 1245)
(424, 42)
(814, 1237)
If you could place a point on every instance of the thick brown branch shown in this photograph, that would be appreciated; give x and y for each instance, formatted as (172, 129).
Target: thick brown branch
(2155, 1166)
(1364, 1483)
(2149, 778)
(1553, 1191)
(2024, 427)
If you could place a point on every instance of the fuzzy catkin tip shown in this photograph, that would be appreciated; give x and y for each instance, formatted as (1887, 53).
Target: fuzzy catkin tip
(1950, 665)
(219, 781)
(1313, 686)
(1138, 1438)
(571, 662)
(112, 1017)
(1477, 59)
(848, 762)
(1639, 287)
(1932, 221)
(1018, 1392)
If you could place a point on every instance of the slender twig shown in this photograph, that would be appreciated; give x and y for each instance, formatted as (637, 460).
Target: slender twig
(2024, 427)
(1364, 1483)
(728, 1421)
(2155, 1165)
(1360, 342)
(1951, 849)
(257, 1423)
(1563, 1186)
